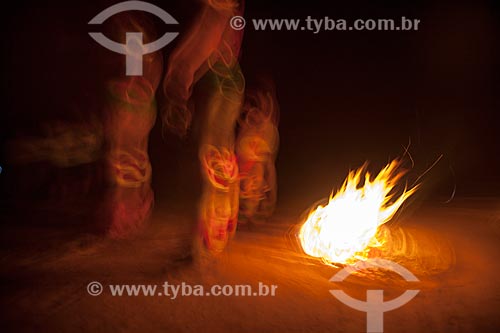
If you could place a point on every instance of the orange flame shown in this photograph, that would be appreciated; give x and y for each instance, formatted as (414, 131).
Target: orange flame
(346, 228)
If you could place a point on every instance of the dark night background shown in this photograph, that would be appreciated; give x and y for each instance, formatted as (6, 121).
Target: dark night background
(345, 97)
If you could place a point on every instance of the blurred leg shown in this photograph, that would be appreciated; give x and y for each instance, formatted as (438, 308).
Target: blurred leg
(218, 207)
(256, 148)
(130, 116)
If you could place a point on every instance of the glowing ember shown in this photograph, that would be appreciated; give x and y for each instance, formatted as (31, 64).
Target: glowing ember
(346, 228)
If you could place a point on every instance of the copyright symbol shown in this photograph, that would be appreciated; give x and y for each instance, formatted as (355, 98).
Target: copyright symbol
(94, 288)
(237, 22)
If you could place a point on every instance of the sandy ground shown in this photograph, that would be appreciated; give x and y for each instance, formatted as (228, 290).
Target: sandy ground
(45, 271)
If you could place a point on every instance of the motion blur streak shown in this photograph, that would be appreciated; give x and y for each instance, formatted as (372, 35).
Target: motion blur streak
(63, 144)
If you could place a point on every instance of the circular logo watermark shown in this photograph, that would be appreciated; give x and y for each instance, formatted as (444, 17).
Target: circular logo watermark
(374, 306)
(237, 22)
(94, 288)
(134, 48)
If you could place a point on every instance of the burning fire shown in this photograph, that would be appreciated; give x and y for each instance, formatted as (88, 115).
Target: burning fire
(347, 228)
